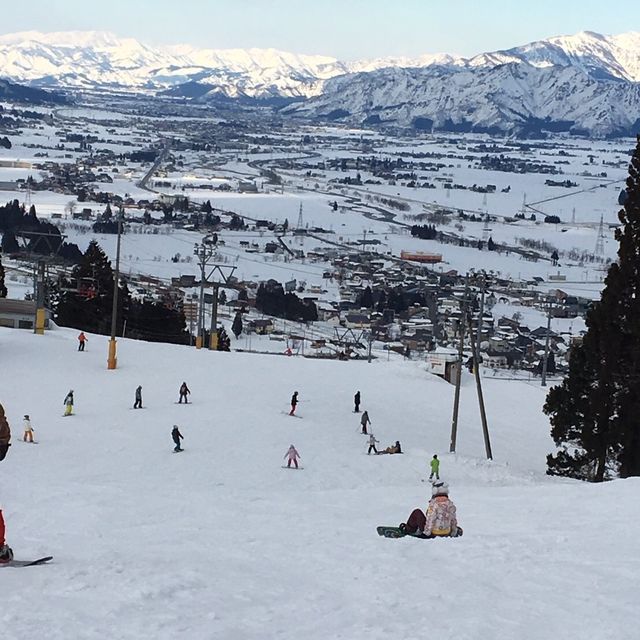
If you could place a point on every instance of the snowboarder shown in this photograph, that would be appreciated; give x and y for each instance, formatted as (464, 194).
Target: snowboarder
(138, 403)
(6, 553)
(440, 519)
(68, 403)
(435, 468)
(176, 436)
(294, 403)
(356, 402)
(81, 341)
(184, 392)
(28, 429)
(364, 421)
(5, 434)
(293, 456)
(372, 445)
(395, 448)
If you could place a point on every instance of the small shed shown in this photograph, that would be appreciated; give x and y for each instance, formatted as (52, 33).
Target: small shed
(20, 314)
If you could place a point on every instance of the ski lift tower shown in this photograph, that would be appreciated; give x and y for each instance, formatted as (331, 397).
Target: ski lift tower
(600, 240)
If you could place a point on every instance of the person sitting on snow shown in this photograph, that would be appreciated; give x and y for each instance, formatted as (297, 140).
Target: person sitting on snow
(440, 520)
(395, 448)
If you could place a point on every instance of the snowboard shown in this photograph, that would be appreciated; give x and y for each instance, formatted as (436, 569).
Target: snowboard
(27, 563)
(294, 468)
(397, 532)
(178, 450)
(183, 402)
(286, 413)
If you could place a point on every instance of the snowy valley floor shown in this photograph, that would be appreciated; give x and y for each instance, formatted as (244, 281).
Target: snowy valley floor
(221, 542)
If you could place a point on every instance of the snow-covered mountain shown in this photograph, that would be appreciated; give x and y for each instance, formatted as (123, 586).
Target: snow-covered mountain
(96, 58)
(509, 98)
(585, 81)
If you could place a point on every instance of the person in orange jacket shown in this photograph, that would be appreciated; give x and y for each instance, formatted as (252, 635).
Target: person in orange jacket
(81, 341)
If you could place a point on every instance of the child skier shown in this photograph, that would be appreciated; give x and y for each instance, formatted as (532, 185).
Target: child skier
(435, 468)
(68, 403)
(6, 553)
(5, 434)
(294, 403)
(364, 421)
(293, 456)
(28, 430)
(372, 445)
(138, 403)
(184, 392)
(176, 436)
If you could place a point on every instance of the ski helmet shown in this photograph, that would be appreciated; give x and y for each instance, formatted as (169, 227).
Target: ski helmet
(439, 488)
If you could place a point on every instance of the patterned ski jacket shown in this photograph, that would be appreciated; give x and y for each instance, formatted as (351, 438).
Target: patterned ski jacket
(441, 516)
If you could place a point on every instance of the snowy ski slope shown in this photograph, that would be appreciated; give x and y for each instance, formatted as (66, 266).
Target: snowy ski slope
(220, 542)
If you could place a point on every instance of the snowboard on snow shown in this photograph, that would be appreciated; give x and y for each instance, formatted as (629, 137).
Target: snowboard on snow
(397, 532)
(284, 466)
(26, 563)
(286, 413)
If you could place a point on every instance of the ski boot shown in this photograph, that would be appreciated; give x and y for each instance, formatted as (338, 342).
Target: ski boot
(6, 554)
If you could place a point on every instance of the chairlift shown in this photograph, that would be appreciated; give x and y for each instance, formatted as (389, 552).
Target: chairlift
(81, 287)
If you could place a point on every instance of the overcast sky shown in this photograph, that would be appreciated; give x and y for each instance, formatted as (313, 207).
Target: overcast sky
(346, 29)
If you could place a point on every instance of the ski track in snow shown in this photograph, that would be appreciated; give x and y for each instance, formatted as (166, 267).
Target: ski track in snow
(220, 543)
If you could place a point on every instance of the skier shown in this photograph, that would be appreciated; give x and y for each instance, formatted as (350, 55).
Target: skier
(440, 520)
(184, 392)
(363, 421)
(6, 553)
(28, 430)
(81, 341)
(294, 403)
(68, 403)
(293, 456)
(356, 402)
(435, 468)
(5, 434)
(372, 444)
(138, 402)
(177, 436)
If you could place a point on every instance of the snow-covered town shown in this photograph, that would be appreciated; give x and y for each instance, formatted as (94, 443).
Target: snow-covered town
(362, 323)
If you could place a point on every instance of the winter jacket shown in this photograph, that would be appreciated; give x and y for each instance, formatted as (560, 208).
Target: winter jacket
(82, 338)
(68, 400)
(441, 517)
(372, 440)
(176, 435)
(27, 425)
(5, 432)
(184, 390)
(139, 393)
(435, 465)
(292, 453)
(294, 399)
(365, 419)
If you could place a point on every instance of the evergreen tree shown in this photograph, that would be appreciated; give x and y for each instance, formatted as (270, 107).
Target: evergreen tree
(366, 298)
(3, 289)
(594, 411)
(236, 327)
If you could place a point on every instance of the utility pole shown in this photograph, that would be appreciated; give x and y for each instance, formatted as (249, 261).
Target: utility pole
(483, 413)
(482, 291)
(456, 399)
(40, 279)
(546, 349)
(204, 252)
(217, 268)
(112, 360)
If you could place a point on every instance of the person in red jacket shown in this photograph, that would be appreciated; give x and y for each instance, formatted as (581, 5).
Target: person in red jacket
(6, 553)
(81, 341)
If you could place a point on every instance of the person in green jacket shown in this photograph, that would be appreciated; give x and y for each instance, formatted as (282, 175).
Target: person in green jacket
(435, 468)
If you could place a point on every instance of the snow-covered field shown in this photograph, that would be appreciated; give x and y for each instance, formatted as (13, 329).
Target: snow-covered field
(220, 542)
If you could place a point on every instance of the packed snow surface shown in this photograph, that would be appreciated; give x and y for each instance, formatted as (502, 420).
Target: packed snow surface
(220, 542)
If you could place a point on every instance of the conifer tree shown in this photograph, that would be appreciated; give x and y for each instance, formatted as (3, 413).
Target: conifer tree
(594, 412)
(3, 289)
